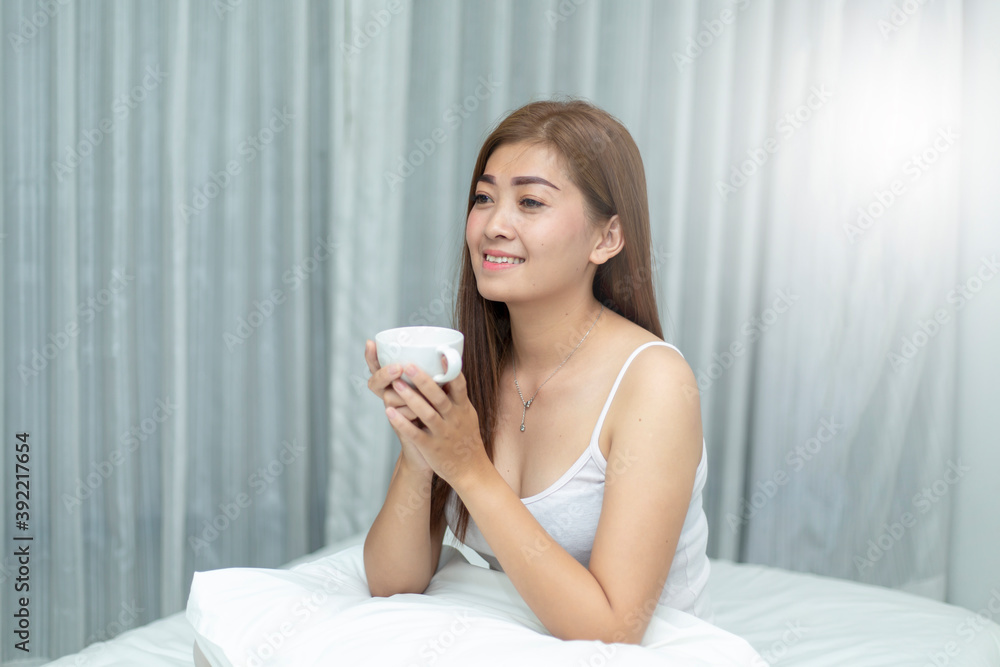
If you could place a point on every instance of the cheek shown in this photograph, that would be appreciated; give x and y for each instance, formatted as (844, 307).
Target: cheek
(475, 220)
(473, 235)
(470, 228)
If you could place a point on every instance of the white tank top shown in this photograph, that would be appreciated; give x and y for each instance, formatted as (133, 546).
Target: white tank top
(570, 508)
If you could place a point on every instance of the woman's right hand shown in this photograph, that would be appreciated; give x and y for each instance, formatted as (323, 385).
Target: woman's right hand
(380, 383)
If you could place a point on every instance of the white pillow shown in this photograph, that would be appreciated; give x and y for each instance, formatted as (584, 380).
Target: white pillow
(322, 613)
(243, 616)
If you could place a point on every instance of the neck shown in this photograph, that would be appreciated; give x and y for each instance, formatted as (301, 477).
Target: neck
(543, 336)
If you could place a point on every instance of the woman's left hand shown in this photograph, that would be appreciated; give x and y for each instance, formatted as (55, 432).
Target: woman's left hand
(449, 441)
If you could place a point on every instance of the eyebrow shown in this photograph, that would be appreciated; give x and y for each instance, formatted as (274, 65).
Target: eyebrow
(518, 180)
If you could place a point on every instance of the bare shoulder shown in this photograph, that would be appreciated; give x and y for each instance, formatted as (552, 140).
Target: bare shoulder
(659, 387)
(661, 364)
(654, 452)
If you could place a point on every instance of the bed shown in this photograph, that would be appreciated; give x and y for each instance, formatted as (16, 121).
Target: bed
(789, 618)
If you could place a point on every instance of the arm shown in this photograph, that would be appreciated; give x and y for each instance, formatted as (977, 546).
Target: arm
(656, 447)
(401, 549)
(401, 552)
(199, 658)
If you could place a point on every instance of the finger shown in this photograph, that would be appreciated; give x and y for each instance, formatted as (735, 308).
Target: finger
(371, 356)
(415, 401)
(430, 389)
(392, 399)
(378, 381)
(381, 378)
(410, 414)
(405, 428)
(458, 390)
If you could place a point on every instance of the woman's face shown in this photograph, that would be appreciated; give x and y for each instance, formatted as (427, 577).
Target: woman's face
(527, 208)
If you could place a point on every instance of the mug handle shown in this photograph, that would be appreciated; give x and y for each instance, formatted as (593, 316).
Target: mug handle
(454, 364)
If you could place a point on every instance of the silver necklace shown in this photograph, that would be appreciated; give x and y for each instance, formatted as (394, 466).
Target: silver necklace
(527, 404)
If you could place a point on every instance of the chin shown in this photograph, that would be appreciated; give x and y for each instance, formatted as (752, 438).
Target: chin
(492, 293)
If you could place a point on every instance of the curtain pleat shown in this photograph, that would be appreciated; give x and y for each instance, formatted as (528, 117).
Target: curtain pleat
(175, 440)
(369, 111)
(65, 582)
(207, 207)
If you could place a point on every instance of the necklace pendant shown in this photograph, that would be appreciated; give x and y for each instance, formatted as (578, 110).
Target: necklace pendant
(527, 404)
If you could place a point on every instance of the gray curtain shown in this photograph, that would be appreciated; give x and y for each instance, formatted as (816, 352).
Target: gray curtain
(207, 207)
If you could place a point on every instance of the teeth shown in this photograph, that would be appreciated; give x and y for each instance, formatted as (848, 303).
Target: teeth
(503, 260)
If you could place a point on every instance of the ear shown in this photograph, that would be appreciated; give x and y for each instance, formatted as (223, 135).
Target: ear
(610, 242)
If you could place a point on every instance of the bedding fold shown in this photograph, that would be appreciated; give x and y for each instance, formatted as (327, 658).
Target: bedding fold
(322, 612)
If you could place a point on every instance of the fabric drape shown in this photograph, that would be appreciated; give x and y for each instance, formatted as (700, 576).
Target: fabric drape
(207, 207)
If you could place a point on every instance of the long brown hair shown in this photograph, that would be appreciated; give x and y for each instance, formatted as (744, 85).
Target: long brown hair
(603, 161)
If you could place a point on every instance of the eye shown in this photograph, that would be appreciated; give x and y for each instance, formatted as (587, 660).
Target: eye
(525, 201)
(476, 199)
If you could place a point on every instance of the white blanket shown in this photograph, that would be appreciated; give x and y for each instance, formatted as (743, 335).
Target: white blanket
(322, 613)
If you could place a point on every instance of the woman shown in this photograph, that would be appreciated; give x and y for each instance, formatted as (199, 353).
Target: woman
(557, 306)
(569, 451)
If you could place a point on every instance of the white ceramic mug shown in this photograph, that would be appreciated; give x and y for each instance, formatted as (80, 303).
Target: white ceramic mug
(422, 347)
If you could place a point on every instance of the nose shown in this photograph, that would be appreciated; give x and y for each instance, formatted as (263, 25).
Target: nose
(498, 225)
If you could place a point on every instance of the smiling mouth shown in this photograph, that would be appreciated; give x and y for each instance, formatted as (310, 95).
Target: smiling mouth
(503, 260)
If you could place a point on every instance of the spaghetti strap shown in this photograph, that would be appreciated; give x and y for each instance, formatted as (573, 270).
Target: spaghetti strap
(621, 374)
